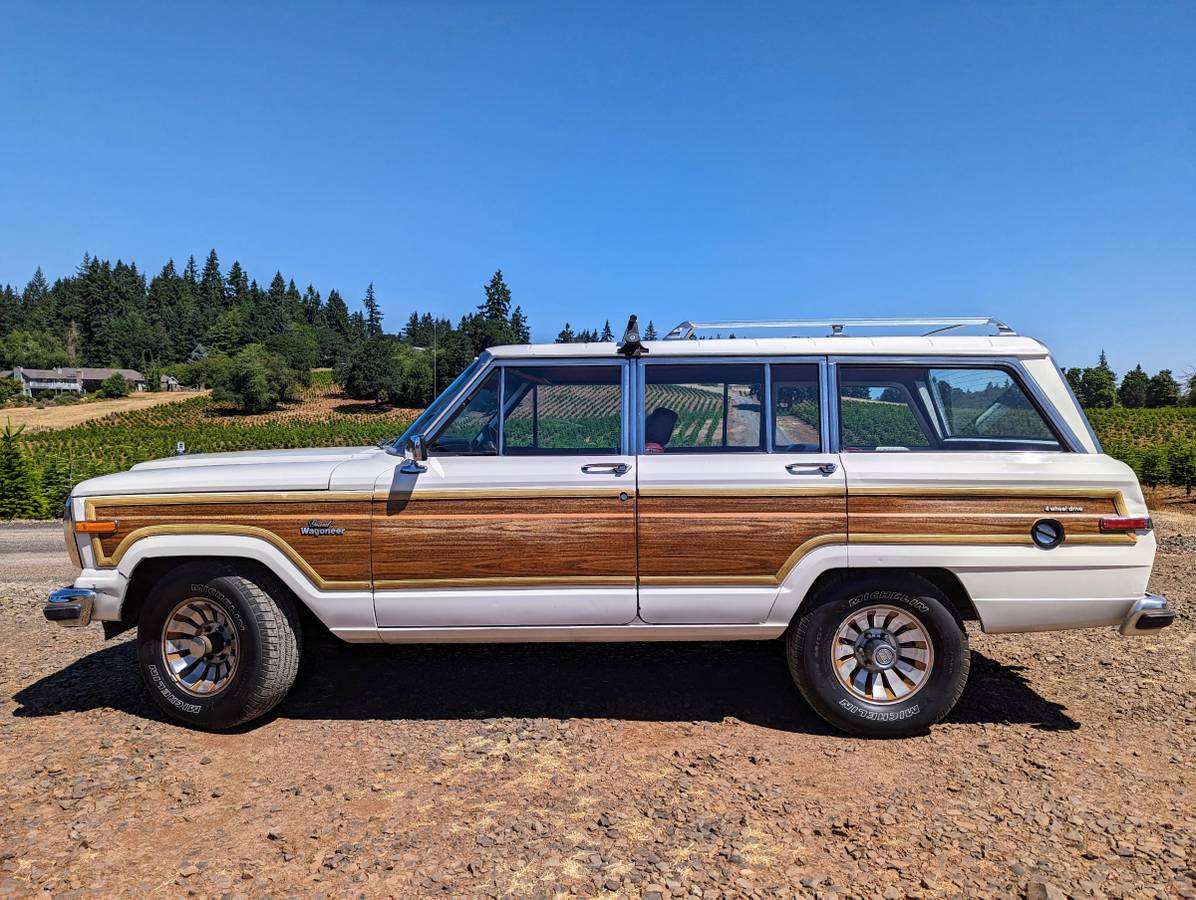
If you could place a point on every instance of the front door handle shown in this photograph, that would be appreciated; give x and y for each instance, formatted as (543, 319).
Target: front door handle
(801, 468)
(605, 469)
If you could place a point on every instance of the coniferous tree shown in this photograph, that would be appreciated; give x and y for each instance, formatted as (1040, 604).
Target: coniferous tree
(650, 331)
(373, 315)
(20, 481)
(607, 335)
(1162, 390)
(1132, 392)
(520, 330)
(237, 283)
(566, 335)
(497, 306)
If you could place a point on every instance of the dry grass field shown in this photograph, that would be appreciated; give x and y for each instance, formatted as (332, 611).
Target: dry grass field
(53, 418)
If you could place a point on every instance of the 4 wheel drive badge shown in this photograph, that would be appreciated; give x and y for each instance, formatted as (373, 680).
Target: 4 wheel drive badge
(1062, 509)
(320, 528)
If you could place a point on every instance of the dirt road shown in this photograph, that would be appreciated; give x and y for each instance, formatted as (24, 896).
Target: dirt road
(684, 770)
(51, 418)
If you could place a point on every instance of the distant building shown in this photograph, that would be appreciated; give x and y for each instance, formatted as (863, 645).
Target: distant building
(78, 381)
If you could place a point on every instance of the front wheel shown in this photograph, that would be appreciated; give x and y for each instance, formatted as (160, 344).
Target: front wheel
(880, 656)
(216, 647)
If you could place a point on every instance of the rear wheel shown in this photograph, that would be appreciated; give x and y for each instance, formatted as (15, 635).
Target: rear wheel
(218, 647)
(880, 656)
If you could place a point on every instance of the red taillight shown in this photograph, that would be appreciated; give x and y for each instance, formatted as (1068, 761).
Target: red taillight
(1125, 523)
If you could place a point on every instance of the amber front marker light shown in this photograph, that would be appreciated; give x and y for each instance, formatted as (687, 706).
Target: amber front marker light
(1115, 524)
(96, 526)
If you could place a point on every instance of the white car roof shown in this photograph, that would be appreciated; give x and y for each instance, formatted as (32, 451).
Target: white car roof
(943, 345)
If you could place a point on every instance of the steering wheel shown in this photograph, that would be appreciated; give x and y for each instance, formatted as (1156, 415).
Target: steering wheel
(486, 440)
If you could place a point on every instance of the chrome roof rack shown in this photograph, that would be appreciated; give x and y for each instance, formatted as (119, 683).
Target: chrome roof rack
(688, 330)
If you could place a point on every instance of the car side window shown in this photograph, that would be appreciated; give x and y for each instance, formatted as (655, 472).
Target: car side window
(796, 413)
(909, 407)
(563, 410)
(703, 408)
(877, 411)
(987, 406)
(472, 430)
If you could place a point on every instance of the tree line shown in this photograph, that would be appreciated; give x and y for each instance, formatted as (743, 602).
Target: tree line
(255, 345)
(1097, 387)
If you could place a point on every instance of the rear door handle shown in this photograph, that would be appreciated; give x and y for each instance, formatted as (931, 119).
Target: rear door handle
(606, 468)
(803, 468)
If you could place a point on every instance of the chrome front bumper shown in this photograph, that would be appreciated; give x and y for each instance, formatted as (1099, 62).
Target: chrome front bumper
(70, 606)
(1148, 615)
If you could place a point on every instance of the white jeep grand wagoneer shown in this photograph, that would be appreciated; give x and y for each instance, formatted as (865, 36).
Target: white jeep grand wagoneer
(861, 496)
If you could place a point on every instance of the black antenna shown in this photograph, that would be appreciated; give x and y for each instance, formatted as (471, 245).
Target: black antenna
(631, 346)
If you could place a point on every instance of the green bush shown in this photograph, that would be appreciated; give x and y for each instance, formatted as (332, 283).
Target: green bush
(9, 388)
(256, 380)
(387, 371)
(114, 386)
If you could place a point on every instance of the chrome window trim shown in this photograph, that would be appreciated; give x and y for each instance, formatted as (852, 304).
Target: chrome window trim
(1069, 443)
(569, 362)
(766, 360)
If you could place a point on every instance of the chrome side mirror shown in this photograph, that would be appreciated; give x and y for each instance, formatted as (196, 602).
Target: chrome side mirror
(417, 454)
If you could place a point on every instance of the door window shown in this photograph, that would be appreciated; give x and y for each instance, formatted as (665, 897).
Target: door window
(703, 408)
(796, 412)
(563, 410)
(472, 431)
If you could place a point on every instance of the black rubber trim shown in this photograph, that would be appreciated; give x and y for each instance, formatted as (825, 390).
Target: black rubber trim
(1152, 621)
(63, 612)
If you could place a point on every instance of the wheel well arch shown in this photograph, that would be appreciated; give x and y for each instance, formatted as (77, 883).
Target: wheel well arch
(944, 579)
(149, 572)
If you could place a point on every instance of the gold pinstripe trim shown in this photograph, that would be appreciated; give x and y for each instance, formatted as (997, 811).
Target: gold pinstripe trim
(921, 491)
(508, 493)
(90, 503)
(812, 490)
(963, 539)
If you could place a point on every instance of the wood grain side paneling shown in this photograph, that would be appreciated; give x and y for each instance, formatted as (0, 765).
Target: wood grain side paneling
(495, 541)
(749, 540)
(334, 560)
(984, 517)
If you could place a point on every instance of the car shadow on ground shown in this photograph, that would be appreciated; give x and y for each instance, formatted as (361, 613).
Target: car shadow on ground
(704, 682)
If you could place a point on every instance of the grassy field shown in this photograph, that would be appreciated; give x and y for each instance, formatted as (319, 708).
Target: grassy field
(322, 418)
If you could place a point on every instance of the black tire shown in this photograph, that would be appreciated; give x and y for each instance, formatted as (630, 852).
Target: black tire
(811, 639)
(268, 637)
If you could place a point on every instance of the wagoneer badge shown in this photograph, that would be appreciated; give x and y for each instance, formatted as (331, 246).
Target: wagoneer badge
(316, 528)
(1063, 509)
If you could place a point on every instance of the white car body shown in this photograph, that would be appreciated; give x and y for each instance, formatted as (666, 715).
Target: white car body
(1011, 586)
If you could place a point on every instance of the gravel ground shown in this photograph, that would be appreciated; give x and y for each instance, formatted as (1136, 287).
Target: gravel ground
(684, 769)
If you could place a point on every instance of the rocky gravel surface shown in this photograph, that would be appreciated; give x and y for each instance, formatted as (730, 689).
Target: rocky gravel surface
(692, 770)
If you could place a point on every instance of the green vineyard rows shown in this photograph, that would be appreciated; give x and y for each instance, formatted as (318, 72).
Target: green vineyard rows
(1160, 444)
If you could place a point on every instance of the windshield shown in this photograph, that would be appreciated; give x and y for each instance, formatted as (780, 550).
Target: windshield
(435, 407)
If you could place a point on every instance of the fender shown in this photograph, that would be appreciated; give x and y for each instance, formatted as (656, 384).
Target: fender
(349, 614)
(793, 590)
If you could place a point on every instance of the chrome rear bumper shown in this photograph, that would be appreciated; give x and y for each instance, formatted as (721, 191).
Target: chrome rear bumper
(1148, 615)
(70, 606)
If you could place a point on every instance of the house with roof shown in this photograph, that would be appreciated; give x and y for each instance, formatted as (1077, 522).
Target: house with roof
(78, 380)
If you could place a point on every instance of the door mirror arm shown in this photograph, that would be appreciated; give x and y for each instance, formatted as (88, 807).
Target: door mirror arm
(416, 453)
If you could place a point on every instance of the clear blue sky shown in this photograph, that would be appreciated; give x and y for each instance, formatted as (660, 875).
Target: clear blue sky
(1032, 160)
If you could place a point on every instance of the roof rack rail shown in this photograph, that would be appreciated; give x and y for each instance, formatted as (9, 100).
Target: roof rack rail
(688, 330)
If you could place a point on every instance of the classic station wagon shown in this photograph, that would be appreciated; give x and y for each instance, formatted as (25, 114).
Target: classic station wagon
(860, 496)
